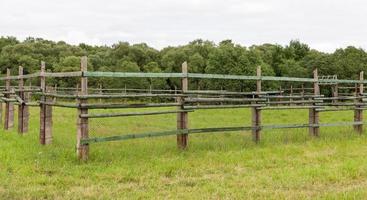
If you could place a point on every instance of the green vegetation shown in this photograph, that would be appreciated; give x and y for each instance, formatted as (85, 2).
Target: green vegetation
(295, 59)
(286, 164)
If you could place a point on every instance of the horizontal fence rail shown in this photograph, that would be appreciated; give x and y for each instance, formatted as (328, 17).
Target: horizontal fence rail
(177, 75)
(211, 130)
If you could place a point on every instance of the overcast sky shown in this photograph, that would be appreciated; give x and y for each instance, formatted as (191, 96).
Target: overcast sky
(323, 24)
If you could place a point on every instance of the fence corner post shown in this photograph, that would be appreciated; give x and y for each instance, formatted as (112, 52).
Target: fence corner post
(256, 112)
(358, 112)
(182, 117)
(82, 123)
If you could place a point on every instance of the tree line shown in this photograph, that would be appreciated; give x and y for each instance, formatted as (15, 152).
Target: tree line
(294, 60)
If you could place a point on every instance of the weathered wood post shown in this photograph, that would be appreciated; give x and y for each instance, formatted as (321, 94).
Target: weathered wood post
(313, 112)
(45, 110)
(82, 123)
(23, 110)
(256, 112)
(335, 92)
(100, 92)
(303, 93)
(9, 106)
(281, 93)
(1, 112)
(76, 92)
(182, 117)
(54, 90)
(358, 112)
(291, 94)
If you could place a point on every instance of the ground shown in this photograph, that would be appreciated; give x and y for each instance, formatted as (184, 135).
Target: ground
(287, 164)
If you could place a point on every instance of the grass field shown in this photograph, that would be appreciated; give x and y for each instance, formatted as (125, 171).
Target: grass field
(287, 164)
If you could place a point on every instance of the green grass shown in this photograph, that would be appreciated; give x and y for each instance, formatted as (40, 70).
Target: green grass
(287, 164)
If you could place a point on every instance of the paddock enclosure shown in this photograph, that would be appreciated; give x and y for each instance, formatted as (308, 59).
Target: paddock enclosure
(26, 90)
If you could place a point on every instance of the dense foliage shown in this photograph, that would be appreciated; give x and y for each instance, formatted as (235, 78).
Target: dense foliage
(295, 59)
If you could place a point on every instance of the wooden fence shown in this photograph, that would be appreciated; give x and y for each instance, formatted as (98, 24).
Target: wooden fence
(185, 100)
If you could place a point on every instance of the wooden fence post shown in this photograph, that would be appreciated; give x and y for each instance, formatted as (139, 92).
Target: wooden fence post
(303, 93)
(291, 94)
(358, 112)
(82, 123)
(9, 106)
(281, 93)
(100, 92)
(54, 90)
(313, 113)
(256, 113)
(23, 110)
(182, 117)
(45, 110)
(1, 111)
(335, 92)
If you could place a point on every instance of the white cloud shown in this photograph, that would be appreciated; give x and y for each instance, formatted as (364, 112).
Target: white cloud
(323, 24)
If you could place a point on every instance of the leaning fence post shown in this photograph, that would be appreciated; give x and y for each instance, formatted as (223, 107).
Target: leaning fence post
(23, 111)
(182, 117)
(358, 112)
(82, 123)
(45, 110)
(256, 112)
(9, 106)
(313, 112)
